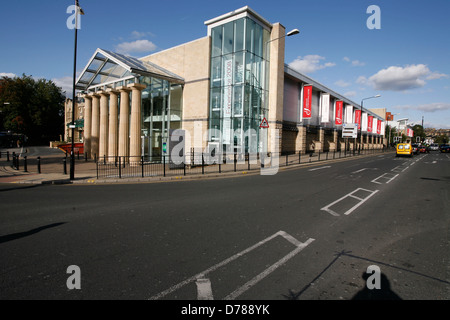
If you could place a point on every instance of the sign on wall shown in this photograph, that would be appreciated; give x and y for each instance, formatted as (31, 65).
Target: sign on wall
(358, 118)
(349, 114)
(364, 122)
(307, 100)
(369, 123)
(227, 100)
(339, 113)
(325, 107)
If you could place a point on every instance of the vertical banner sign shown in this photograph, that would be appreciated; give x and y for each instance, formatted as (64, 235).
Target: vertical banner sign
(349, 114)
(369, 123)
(383, 128)
(364, 122)
(375, 125)
(325, 104)
(307, 97)
(358, 118)
(339, 112)
(379, 127)
(227, 101)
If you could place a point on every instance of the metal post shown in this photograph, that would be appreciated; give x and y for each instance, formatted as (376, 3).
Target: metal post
(203, 164)
(25, 167)
(142, 166)
(64, 165)
(120, 169)
(39, 164)
(7, 156)
(164, 165)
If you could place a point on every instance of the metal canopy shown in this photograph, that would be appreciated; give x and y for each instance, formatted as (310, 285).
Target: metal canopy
(107, 67)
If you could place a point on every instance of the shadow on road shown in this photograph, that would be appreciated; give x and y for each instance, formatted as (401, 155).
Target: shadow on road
(15, 236)
(384, 293)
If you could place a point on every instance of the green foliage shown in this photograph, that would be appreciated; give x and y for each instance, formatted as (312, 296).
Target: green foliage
(33, 107)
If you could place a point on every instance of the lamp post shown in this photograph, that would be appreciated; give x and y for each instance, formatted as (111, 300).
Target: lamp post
(360, 121)
(72, 126)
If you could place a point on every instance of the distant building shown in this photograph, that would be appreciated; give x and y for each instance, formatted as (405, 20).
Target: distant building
(79, 120)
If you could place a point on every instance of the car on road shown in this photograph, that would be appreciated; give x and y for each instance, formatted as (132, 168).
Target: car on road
(434, 147)
(424, 149)
(404, 149)
(444, 148)
(415, 147)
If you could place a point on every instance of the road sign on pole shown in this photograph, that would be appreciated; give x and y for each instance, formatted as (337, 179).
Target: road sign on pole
(264, 123)
(350, 130)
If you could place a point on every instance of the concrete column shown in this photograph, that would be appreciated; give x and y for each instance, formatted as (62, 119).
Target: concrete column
(104, 114)
(276, 85)
(87, 125)
(95, 131)
(124, 122)
(135, 121)
(321, 139)
(113, 123)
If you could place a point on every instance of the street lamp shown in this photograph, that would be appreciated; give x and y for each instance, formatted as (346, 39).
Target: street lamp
(360, 121)
(72, 154)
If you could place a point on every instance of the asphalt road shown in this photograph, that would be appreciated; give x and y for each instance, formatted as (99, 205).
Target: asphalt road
(306, 233)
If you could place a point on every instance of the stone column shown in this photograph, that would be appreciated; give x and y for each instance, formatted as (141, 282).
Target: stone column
(113, 123)
(135, 121)
(103, 139)
(276, 85)
(87, 125)
(124, 122)
(95, 131)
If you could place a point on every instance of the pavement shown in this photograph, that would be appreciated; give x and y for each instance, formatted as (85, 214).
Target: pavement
(52, 169)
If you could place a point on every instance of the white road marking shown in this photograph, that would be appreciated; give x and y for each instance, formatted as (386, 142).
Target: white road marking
(386, 176)
(351, 194)
(206, 292)
(326, 167)
(268, 271)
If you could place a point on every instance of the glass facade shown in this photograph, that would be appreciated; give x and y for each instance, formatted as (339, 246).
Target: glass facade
(161, 110)
(239, 84)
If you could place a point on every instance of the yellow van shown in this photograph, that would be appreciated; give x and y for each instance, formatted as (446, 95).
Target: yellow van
(404, 149)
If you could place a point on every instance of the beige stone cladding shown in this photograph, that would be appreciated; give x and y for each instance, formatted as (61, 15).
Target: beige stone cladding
(190, 61)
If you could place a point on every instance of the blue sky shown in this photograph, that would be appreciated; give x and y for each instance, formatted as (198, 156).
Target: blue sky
(407, 61)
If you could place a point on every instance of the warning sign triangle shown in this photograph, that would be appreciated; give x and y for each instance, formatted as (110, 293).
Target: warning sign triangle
(264, 123)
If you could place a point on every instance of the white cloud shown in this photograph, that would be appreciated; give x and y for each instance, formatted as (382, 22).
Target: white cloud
(138, 35)
(135, 47)
(401, 78)
(6, 74)
(310, 63)
(350, 94)
(430, 107)
(355, 63)
(342, 83)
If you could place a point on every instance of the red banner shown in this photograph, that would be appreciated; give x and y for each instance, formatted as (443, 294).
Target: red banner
(339, 112)
(369, 123)
(307, 97)
(358, 118)
(379, 127)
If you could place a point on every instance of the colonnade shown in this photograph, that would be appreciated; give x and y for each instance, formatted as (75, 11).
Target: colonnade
(108, 133)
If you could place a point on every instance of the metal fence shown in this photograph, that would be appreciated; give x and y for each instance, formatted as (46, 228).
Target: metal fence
(204, 163)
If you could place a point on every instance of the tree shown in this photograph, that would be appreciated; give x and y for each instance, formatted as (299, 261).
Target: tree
(419, 132)
(32, 107)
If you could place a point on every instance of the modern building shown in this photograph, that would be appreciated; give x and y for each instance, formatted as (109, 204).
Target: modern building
(230, 90)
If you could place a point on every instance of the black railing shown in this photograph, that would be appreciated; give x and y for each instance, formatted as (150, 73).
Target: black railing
(204, 163)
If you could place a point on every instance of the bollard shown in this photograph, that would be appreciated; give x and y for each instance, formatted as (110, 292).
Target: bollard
(7, 156)
(39, 164)
(25, 167)
(65, 165)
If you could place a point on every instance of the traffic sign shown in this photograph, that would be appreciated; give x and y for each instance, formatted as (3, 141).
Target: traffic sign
(350, 130)
(264, 123)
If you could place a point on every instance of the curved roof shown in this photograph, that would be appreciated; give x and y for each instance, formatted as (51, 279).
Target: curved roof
(107, 67)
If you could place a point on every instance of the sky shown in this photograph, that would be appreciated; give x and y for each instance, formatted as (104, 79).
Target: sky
(399, 49)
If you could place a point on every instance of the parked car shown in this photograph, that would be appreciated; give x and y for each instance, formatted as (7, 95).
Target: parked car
(444, 148)
(434, 147)
(404, 149)
(424, 149)
(415, 147)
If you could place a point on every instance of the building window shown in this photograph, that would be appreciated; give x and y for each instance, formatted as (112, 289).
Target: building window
(238, 99)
